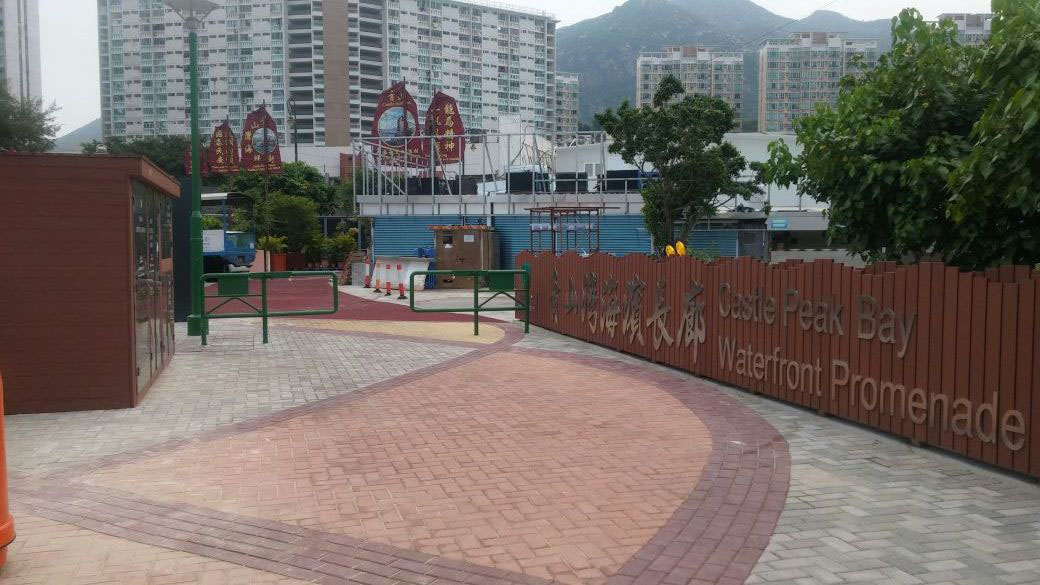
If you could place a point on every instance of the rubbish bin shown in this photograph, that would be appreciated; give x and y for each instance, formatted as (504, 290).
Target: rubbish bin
(6, 521)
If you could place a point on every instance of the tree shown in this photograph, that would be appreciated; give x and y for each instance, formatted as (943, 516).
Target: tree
(291, 216)
(25, 125)
(296, 178)
(167, 152)
(683, 140)
(996, 187)
(932, 153)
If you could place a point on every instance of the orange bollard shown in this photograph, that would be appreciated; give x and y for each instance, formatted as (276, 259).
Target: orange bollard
(389, 286)
(6, 521)
(400, 285)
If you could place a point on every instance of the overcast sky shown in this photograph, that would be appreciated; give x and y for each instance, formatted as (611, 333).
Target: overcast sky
(68, 35)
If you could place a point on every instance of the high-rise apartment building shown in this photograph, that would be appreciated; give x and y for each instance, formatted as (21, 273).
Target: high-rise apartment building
(568, 88)
(145, 86)
(797, 73)
(972, 29)
(496, 60)
(20, 47)
(327, 61)
(701, 71)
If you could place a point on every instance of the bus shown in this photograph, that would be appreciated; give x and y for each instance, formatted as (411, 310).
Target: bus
(228, 232)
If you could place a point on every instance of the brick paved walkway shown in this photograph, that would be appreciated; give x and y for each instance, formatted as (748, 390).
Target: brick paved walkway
(513, 461)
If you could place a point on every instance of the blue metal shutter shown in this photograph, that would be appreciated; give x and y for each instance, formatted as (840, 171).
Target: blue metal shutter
(400, 235)
(719, 242)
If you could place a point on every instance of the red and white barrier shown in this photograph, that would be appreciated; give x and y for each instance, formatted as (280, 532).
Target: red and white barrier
(400, 284)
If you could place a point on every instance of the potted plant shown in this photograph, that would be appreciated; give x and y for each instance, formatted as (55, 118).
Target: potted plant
(275, 246)
(313, 251)
(340, 247)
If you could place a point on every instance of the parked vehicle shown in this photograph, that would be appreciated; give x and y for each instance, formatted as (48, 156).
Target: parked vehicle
(229, 232)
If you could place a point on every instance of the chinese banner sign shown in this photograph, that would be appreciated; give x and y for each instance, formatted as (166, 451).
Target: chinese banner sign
(223, 151)
(260, 152)
(444, 121)
(396, 119)
(203, 158)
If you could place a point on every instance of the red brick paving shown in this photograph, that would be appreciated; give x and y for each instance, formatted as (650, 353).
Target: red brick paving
(714, 533)
(522, 477)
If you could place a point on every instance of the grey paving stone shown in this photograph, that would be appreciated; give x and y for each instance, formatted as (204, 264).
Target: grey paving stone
(234, 379)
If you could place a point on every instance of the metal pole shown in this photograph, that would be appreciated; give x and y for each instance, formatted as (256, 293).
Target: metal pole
(476, 302)
(195, 319)
(263, 300)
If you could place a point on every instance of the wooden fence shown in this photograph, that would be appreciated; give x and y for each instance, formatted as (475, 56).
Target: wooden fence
(927, 352)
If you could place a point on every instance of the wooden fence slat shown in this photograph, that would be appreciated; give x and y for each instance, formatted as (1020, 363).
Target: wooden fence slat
(1034, 415)
(1008, 366)
(935, 342)
(962, 351)
(1024, 342)
(994, 359)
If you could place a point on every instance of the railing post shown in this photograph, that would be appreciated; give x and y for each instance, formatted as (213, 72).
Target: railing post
(263, 304)
(476, 303)
(527, 297)
(204, 314)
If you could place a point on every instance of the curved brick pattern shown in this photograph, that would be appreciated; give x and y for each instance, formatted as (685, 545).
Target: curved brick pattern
(499, 462)
(866, 508)
(203, 390)
(55, 553)
(721, 529)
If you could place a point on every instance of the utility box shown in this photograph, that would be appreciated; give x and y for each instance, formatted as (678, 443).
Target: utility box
(86, 254)
(464, 247)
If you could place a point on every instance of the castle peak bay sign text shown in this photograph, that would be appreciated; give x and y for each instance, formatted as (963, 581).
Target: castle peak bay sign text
(928, 352)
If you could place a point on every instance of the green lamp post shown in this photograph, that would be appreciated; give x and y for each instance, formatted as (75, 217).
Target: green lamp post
(193, 12)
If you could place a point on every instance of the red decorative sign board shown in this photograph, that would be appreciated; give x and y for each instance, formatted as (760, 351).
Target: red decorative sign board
(926, 352)
(223, 151)
(260, 151)
(443, 120)
(203, 158)
(396, 119)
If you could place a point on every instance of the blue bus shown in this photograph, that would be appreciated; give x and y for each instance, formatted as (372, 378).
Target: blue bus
(229, 245)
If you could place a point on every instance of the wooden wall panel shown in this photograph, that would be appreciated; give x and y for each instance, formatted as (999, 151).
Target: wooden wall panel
(937, 344)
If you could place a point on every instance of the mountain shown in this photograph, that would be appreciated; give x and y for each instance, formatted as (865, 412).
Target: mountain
(70, 142)
(603, 50)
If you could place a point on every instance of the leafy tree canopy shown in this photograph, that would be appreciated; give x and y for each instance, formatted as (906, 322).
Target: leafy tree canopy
(996, 188)
(682, 139)
(167, 152)
(25, 125)
(296, 178)
(933, 152)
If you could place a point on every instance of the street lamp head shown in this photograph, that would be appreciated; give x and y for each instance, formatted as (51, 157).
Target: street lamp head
(192, 11)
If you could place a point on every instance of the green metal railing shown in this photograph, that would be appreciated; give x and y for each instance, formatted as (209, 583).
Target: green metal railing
(235, 287)
(497, 282)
